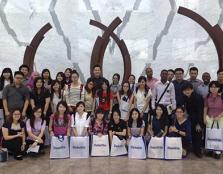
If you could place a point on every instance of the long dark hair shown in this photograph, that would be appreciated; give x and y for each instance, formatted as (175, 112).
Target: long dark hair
(145, 87)
(87, 89)
(129, 92)
(52, 90)
(66, 113)
(113, 111)
(32, 118)
(67, 81)
(100, 91)
(216, 83)
(80, 103)
(163, 109)
(99, 111)
(50, 79)
(42, 90)
(139, 119)
(2, 79)
(10, 119)
(63, 82)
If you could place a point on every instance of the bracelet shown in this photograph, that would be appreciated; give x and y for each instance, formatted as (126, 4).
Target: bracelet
(36, 141)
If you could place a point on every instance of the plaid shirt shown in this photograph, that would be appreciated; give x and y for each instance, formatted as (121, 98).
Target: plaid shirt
(98, 128)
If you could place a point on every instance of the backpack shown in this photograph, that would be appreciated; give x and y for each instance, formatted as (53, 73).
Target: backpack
(74, 115)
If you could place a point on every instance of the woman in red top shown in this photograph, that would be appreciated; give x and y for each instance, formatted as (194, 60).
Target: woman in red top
(104, 99)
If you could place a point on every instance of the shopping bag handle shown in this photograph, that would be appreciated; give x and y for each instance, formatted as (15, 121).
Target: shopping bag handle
(60, 138)
(213, 125)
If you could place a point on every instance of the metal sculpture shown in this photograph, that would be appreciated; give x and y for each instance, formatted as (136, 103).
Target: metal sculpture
(31, 49)
(215, 32)
(101, 43)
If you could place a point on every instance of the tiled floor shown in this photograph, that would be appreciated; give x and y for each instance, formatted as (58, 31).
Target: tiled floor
(111, 165)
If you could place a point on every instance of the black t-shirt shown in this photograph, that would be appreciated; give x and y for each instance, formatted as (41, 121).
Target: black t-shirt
(40, 99)
(195, 107)
(12, 131)
(158, 125)
(98, 82)
(117, 127)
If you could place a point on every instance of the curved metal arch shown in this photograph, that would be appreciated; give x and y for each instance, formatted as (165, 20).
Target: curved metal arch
(101, 45)
(31, 49)
(215, 32)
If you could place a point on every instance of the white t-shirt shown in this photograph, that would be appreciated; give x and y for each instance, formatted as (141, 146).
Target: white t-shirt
(141, 99)
(80, 122)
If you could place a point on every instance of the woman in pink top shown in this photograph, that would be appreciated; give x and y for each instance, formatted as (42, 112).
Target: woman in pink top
(60, 121)
(35, 127)
(213, 110)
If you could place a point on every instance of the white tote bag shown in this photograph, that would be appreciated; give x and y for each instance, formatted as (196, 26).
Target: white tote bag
(47, 136)
(156, 148)
(100, 145)
(118, 147)
(137, 148)
(59, 147)
(214, 138)
(79, 147)
(173, 148)
(1, 118)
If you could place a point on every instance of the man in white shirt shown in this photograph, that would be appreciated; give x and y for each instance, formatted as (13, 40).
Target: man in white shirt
(168, 98)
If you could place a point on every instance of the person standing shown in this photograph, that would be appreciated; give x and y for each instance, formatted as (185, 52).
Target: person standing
(25, 70)
(213, 111)
(203, 88)
(194, 105)
(16, 95)
(164, 93)
(193, 78)
(178, 84)
(150, 82)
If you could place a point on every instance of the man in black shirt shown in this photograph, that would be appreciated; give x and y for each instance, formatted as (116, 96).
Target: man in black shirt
(194, 106)
(178, 84)
(97, 78)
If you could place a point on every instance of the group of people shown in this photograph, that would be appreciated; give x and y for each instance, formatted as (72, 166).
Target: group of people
(172, 106)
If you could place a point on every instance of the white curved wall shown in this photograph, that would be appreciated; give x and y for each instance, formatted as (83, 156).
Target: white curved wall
(153, 32)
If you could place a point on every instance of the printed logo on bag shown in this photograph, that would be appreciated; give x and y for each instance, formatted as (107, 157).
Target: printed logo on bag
(61, 147)
(78, 147)
(173, 148)
(136, 147)
(100, 145)
(118, 146)
(214, 139)
(156, 147)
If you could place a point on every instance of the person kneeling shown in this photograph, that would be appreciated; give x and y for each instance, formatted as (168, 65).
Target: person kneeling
(14, 134)
(35, 128)
(182, 128)
(99, 125)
